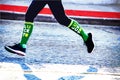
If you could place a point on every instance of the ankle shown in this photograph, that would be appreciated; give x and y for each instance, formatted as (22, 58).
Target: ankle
(23, 45)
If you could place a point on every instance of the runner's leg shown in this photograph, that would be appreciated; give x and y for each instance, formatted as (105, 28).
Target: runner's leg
(35, 7)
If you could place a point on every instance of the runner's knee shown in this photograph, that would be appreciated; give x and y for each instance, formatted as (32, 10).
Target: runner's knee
(64, 20)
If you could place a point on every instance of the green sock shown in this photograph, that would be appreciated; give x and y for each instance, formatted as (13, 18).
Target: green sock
(75, 26)
(27, 30)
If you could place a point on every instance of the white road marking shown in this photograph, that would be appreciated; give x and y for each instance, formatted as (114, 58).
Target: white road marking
(53, 72)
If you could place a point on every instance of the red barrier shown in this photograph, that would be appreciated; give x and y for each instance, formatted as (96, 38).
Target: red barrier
(81, 13)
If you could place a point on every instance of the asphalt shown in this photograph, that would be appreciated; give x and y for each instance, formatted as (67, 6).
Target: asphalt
(52, 44)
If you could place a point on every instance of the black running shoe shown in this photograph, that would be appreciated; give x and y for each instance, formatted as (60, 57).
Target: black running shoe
(89, 43)
(16, 49)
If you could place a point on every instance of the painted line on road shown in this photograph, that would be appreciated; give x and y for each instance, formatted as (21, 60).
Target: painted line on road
(29, 75)
(71, 72)
(84, 13)
(55, 72)
(25, 67)
(71, 69)
(75, 73)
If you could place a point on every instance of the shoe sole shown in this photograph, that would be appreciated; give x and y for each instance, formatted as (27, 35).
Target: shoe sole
(14, 51)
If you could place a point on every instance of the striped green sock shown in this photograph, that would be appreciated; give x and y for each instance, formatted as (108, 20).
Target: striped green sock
(75, 26)
(27, 30)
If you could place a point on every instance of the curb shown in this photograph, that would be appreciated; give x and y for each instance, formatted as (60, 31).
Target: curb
(14, 12)
(43, 18)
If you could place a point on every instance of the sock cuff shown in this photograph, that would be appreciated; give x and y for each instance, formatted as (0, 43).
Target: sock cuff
(23, 45)
(29, 23)
(70, 23)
